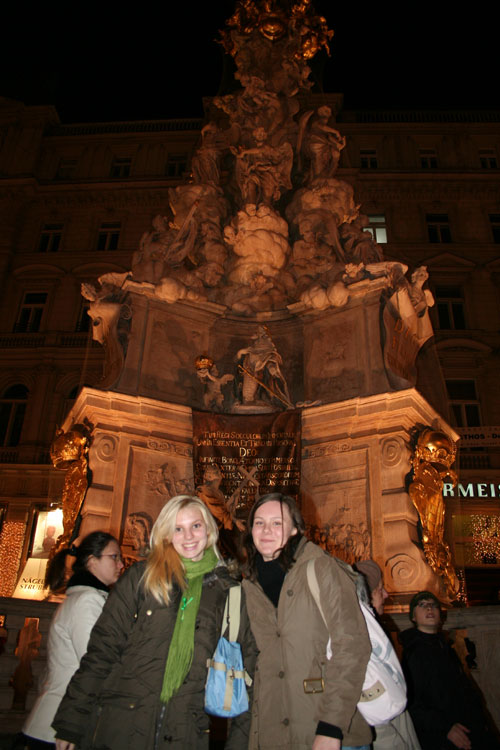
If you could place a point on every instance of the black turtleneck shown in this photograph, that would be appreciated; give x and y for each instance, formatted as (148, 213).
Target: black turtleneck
(270, 576)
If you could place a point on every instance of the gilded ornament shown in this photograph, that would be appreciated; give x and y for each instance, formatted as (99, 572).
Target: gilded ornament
(433, 457)
(69, 452)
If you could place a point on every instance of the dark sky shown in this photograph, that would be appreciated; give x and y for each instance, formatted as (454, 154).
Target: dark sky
(158, 61)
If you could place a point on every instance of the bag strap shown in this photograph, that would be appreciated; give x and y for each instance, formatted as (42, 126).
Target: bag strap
(312, 582)
(231, 617)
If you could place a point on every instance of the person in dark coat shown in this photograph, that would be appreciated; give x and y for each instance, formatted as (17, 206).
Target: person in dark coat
(142, 681)
(444, 704)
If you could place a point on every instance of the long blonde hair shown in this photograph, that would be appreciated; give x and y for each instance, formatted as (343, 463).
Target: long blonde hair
(164, 567)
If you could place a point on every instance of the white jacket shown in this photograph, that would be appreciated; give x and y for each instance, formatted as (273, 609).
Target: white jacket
(68, 638)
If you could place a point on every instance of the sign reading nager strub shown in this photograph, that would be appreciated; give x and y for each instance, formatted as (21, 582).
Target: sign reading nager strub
(252, 455)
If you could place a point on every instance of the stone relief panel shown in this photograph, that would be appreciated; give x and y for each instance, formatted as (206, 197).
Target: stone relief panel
(154, 474)
(336, 501)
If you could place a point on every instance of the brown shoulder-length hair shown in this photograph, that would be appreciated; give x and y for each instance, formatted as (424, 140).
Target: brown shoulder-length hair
(164, 567)
(286, 555)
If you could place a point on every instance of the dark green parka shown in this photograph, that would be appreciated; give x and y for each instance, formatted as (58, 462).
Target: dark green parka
(113, 700)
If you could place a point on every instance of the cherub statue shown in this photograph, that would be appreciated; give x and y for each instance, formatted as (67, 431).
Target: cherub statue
(207, 372)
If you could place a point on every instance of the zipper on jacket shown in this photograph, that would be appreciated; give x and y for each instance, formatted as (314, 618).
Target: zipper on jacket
(161, 716)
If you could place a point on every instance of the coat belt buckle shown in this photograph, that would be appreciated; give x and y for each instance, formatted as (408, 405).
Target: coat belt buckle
(314, 685)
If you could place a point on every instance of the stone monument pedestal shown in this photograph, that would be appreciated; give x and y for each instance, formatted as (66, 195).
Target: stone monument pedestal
(355, 457)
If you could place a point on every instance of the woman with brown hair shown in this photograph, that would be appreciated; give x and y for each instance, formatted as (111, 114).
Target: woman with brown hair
(301, 698)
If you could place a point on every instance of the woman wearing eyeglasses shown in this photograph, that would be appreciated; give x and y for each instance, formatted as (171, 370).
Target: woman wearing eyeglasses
(97, 566)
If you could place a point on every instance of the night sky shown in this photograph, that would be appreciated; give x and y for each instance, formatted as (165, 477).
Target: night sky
(150, 62)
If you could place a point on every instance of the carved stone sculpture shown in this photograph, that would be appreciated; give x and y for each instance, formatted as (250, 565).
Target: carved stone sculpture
(433, 457)
(262, 384)
(208, 374)
(320, 144)
(110, 321)
(205, 164)
(358, 243)
(263, 171)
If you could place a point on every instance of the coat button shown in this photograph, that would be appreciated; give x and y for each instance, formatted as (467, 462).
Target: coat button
(168, 738)
(281, 674)
(278, 634)
(286, 722)
(290, 592)
(149, 612)
(131, 705)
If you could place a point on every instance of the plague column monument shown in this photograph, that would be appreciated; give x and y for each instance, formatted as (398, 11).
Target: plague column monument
(260, 309)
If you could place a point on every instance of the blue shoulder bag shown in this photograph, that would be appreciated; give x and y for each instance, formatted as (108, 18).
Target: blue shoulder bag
(227, 680)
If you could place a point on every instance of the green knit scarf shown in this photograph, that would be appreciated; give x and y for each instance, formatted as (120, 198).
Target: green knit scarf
(180, 652)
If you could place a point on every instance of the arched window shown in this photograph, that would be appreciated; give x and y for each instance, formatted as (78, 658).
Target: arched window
(12, 410)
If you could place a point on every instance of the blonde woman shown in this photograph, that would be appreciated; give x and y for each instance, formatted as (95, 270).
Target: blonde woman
(141, 684)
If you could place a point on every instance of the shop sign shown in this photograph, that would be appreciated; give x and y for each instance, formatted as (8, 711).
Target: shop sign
(472, 490)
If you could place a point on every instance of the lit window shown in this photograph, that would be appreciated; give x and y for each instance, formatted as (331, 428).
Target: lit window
(50, 238)
(368, 158)
(30, 314)
(176, 165)
(377, 228)
(121, 167)
(12, 410)
(464, 402)
(495, 226)
(488, 158)
(66, 169)
(438, 228)
(108, 236)
(428, 158)
(450, 308)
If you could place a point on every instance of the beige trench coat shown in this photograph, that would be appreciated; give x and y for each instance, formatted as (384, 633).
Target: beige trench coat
(292, 641)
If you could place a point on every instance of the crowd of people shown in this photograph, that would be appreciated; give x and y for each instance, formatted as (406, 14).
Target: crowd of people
(128, 653)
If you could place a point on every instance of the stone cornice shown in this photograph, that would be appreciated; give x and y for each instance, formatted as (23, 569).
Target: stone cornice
(395, 187)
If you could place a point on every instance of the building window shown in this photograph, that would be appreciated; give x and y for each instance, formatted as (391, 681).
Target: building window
(50, 238)
(121, 167)
(83, 322)
(495, 226)
(377, 228)
(450, 307)
(438, 228)
(66, 169)
(428, 158)
(30, 314)
(368, 158)
(108, 236)
(12, 410)
(176, 165)
(464, 402)
(488, 158)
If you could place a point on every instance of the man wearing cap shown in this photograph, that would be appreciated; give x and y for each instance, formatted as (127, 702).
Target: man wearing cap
(444, 704)
(398, 734)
